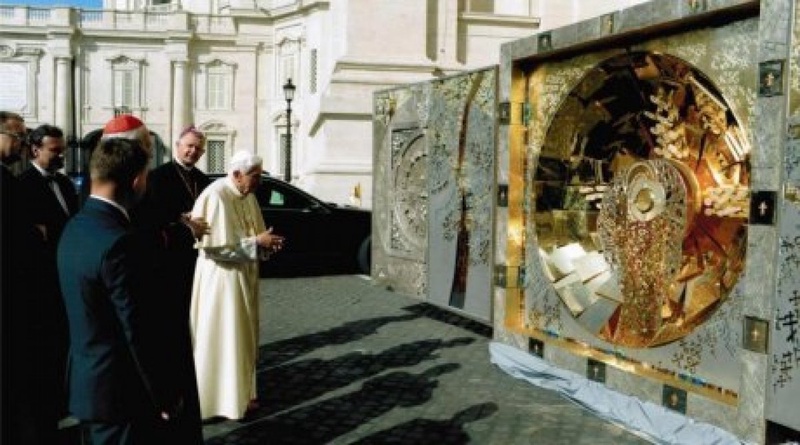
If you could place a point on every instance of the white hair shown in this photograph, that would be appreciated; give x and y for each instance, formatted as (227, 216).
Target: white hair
(243, 161)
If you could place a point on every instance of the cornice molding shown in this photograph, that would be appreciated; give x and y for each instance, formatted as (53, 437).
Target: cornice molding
(11, 50)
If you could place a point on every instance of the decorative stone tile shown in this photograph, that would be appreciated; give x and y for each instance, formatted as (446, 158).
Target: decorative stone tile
(673, 398)
(592, 29)
(792, 159)
(751, 410)
(708, 410)
(784, 339)
(596, 370)
(763, 207)
(565, 36)
(760, 269)
(636, 386)
(536, 347)
(774, 32)
(646, 14)
(566, 360)
(770, 135)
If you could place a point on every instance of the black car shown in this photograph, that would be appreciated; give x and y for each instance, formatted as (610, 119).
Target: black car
(321, 237)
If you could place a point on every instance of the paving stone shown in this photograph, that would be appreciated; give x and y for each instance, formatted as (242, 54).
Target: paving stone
(342, 361)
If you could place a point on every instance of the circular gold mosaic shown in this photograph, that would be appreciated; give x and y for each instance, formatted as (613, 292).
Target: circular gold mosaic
(642, 195)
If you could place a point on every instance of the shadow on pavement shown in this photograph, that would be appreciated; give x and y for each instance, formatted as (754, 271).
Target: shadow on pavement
(451, 318)
(286, 386)
(440, 432)
(326, 420)
(276, 353)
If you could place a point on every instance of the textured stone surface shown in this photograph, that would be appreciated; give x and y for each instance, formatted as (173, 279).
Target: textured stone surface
(343, 361)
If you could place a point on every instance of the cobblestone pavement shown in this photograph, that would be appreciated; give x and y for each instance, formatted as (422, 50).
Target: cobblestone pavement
(343, 361)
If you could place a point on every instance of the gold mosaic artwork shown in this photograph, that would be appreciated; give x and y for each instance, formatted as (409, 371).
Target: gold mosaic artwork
(641, 189)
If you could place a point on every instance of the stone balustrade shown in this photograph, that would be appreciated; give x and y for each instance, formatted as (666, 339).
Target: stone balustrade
(153, 19)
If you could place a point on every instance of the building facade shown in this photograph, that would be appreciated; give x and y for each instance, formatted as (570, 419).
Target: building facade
(222, 64)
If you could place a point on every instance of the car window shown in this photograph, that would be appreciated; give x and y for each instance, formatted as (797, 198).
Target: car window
(276, 196)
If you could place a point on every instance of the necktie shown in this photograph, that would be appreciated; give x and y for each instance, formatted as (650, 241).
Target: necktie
(57, 190)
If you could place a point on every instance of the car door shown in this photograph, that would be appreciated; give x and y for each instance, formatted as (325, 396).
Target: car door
(300, 218)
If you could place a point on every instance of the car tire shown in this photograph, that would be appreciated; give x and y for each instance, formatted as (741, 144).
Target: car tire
(364, 256)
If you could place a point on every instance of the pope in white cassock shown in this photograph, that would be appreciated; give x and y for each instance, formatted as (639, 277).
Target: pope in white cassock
(224, 308)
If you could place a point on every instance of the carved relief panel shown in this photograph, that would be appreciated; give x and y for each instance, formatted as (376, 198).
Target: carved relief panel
(409, 193)
(433, 213)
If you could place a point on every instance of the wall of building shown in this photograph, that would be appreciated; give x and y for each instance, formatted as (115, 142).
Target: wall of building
(337, 52)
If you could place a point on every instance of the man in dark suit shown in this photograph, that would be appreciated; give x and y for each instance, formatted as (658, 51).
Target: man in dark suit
(49, 198)
(114, 378)
(50, 195)
(21, 247)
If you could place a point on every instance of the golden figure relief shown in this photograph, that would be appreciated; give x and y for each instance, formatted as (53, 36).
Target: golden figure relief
(641, 212)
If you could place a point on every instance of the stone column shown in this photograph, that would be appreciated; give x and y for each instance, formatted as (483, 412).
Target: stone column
(63, 94)
(180, 99)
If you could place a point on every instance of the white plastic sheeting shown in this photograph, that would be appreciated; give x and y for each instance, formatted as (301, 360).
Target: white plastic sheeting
(648, 420)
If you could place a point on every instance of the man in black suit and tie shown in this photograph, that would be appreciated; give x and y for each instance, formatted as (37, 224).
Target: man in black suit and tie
(50, 195)
(114, 380)
(50, 199)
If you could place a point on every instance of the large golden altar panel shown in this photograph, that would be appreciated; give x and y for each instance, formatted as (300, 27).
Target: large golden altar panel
(645, 163)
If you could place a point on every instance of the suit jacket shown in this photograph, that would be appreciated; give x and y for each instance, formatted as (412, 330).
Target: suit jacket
(158, 217)
(169, 194)
(28, 337)
(43, 206)
(9, 226)
(22, 254)
(101, 268)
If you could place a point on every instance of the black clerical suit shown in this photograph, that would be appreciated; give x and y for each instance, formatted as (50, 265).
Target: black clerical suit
(171, 192)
